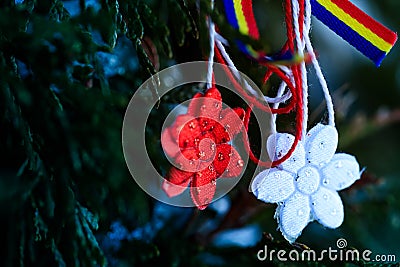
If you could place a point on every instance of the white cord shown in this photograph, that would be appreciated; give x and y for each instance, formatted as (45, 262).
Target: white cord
(211, 56)
(278, 99)
(320, 75)
(210, 68)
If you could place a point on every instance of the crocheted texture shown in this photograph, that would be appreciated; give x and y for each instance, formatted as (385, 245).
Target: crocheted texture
(349, 22)
(305, 185)
(198, 144)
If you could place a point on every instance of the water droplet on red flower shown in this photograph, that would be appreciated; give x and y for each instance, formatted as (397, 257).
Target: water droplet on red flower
(202, 154)
(240, 163)
(214, 182)
(203, 107)
(227, 127)
(220, 156)
(211, 168)
(216, 105)
(192, 125)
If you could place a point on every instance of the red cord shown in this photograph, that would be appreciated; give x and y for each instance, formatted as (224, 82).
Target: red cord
(296, 89)
(252, 99)
(266, 164)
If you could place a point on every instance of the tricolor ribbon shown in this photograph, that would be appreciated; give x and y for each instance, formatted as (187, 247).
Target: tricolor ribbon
(367, 35)
(360, 30)
(241, 17)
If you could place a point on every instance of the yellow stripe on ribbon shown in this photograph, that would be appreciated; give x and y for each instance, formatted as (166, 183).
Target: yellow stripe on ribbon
(243, 28)
(355, 25)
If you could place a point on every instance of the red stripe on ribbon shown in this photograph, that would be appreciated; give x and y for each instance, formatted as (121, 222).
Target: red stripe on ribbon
(247, 8)
(376, 27)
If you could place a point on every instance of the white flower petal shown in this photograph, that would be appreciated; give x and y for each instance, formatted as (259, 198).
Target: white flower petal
(273, 187)
(327, 207)
(278, 146)
(293, 216)
(321, 143)
(341, 172)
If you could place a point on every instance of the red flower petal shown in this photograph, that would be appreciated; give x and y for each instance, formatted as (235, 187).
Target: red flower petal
(214, 93)
(195, 104)
(186, 129)
(221, 135)
(228, 162)
(206, 124)
(209, 105)
(188, 160)
(212, 104)
(169, 145)
(180, 122)
(177, 181)
(232, 120)
(203, 187)
(207, 148)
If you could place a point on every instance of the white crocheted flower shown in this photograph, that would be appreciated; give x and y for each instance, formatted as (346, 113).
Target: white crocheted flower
(305, 185)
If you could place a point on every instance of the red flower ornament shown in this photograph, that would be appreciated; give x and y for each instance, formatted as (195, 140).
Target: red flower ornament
(198, 145)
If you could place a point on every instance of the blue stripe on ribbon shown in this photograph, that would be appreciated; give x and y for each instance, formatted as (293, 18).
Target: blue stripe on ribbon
(347, 33)
(230, 14)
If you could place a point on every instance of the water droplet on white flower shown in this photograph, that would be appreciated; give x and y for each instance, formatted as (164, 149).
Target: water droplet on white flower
(326, 181)
(333, 212)
(339, 164)
(321, 145)
(326, 197)
(277, 175)
(300, 212)
(350, 174)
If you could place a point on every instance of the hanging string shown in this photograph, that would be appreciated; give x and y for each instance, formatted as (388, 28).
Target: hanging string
(251, 98)
(294, 78)
(300, 32)
(297, 95)
(245, 83)
(314, 61)
(210, 71)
